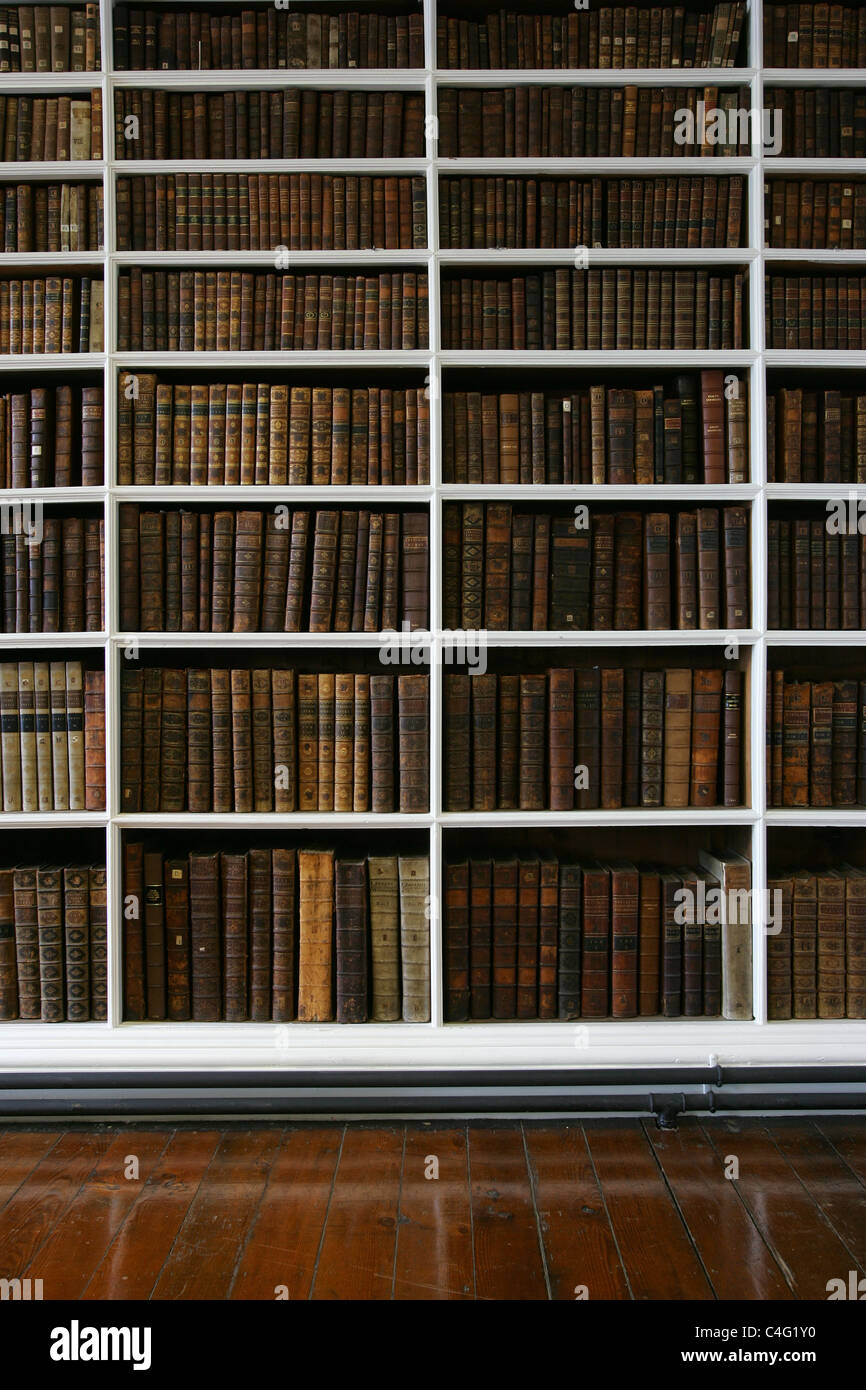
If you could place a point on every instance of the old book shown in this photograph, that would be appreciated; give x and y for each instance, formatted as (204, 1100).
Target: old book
(350, 898)
(316, 920)
(414, 875)
(154, 935)
(734, 875)
(49, 917)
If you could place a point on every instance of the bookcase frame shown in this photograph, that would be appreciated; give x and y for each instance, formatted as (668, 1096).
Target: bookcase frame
(83, 1048)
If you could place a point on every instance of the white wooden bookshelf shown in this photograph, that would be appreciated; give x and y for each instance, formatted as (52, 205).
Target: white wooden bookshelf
(91, 1048)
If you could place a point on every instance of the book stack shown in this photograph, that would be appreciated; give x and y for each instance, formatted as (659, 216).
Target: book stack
(816, 741)
(608, 309)
(625, 570)
(56, 582)
(576, 739)
(276, 934)
(816, 436)
(290, 123)
(52, 743)
(264, 37)
(693, 429)
(244, 311)
(255, 432)
(816, 956)
(51, 436)
(53, 942)
(52, 217)
(242, 571)
(274, 739)
(611, 36)
(542, 938)
(514, 212)
(50, 128)
(51, 314)
(50, 38)
(816, 575)
(257, 212)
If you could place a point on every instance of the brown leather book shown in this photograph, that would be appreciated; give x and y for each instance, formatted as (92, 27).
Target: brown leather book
(709, 568)
(706, 730)
(504, 937)
(308, 741)
(49, 918)
(855, 944)
(283, 903)
(154, 935)
(497, 566)
(831, 944)
(713, 426)
(235, 908)
(845, 724)
(732, 726)
(736, 567)
(561, 738)
(657, 571)
(671, 945)
(612, 730)
(177, 939)
(795, 748)
(779, 949)
(76, 943)
(624, 917)
(677, 737)
(260, 928)
(687, 570)
(588, 738)
(532, 779)
(351, 940)
(733, 874)
(483, 694)
(94, 740)
(385, 938)
(821, 745)
(528, 888)
(480, 938)
(595, 942)
(649, 942)
(804, 919)
(8, 965)
(205, 945)
(456, 942)
(548, 937)
(26, 942)
(325, 740)
(457, 754)
(383, 763)
(414, 738)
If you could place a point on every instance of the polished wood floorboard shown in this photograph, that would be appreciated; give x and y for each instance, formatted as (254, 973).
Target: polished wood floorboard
(717, 1209)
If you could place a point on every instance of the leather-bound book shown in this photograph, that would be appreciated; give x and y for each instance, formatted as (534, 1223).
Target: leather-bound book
(177, 939)
(94, 740)
(628, 550)
(482, 691)
(693, 944)
(451, 566)
(795, 748)
(351, 940)
(612, 729)
(505, 937)
(234, 880)
(734, 876)
(247, 572)
(27, 727)
(154, 935)
(528, 888)
(241, 741)
(649, 942)
(651, 737)
(532, 781)
(588, 738)
(775, 734)
(657, 571)
(571, 554)
(561, 738)
(709, 611)
(414, 740)
(845, 724)
(855, 942)
(283, 901)
(26, 942)
(134, 971)
(713, 426)
(344, 721)
(631, 738)
(480, 938)
(308, 742)
(731, 733)
(325, 740)
(671, 946)
(75, 734)
(173, 741)
(821, 745)
(780, 949)
(861, 745)
(706, 729)
(570, 946)
(76, 942)
(596, 941)
(98, 931)
(198, 714)
(804, 937)
(548, 934)
(8, 966)
(603, 570)
(456, 943)
(382, 744)
(49, 916)
(260, 918)
(736, 567)
(472, 575)
(414, 874)
(624, 919)
(687, 570)
(59, 738)
(677, 737)
(205, 944)
(540, 607)
(673, 441)
(508, 743)
(221, 739)
(324, 571)
(457, 744)
(414, 572)
(497, 566)
(831, 944)
(621, 436)
(384, 938)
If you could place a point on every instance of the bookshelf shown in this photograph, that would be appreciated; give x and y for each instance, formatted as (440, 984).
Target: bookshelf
(110, 1046)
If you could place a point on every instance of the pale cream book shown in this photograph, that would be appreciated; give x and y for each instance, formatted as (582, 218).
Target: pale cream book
(735, 878)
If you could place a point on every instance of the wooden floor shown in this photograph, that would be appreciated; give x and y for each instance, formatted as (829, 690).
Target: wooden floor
(618, 1209)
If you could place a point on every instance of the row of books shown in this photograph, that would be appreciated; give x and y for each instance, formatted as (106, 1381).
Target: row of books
(273, 740)
(543, 938)
(251, 432)
(51, 314)
(53, 943)
(51, 436)
(691, 429)
(612, 36)
(561, 739)
(288, 124)
(243, 311)
(814, 214)
(49, 128)
(276, 934)
(585, 122)
(817, 123)
(814, 311)
(617, 570)
(816, 956)
(55, 583)
(52, 217)
(276, 571)
(816, 576)
(815, 436)
(257, 212)
(688, 430)
(264, 37)
(814, 36)
(816, 741)
(53, 736)
(515, 212)
(607, 309)
(50, 38)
